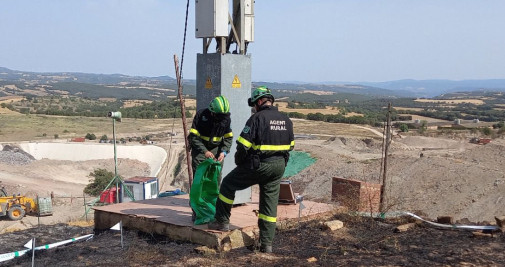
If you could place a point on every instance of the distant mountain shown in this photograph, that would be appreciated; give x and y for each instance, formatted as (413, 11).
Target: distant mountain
(432, 88)
(336, 88)
(400, 88)
(14, 82)
(45, 77)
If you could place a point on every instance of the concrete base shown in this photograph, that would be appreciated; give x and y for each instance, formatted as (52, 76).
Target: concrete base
(171, 216)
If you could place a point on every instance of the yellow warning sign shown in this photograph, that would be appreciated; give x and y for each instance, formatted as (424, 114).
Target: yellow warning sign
(208, 83)
(236, 82)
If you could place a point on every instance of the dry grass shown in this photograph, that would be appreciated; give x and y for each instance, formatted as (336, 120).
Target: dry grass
(107, 99)
(413, 109)
(315, 92)
(326, 128)
(134, 103)
(190, 102)
(452, 101)
(283, 106)
(8, 100)
(81, 223)
(422, 118)
(17, 127)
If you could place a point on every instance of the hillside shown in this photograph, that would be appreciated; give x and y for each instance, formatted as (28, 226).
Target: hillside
(432, 88)
(453, 178)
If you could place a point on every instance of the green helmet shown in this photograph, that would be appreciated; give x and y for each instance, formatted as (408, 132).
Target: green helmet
(260, 92)
(219, 105)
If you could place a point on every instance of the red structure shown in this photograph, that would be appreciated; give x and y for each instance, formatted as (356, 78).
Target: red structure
(108, 196)
(356, 195)
(78, 139)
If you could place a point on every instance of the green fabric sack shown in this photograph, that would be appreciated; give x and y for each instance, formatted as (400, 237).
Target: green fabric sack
(205, 190)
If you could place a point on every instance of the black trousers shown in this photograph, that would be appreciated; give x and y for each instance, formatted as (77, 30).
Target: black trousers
(268, 176)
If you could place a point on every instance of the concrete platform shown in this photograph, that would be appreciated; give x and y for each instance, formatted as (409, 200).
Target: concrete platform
(171, 216)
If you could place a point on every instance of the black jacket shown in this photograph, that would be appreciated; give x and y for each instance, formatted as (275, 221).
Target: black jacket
(267, 133)
(209, 131)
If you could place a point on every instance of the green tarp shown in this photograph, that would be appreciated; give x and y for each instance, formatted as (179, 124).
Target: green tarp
(297, 162)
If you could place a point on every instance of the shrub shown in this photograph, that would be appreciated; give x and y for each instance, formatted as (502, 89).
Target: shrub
(90, 136)
(404, 128)
(99, 180)
(486, 131)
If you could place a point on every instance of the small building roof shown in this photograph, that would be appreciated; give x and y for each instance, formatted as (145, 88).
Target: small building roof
(140, 179)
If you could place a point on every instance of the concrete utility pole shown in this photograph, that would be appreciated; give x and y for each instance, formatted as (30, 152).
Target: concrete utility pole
(223, 72)
(384, 186)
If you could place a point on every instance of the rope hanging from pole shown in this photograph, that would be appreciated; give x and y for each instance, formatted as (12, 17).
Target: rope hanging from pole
(178, 73)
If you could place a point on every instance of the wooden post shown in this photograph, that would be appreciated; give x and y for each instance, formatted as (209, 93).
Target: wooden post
(183, 111)
(85, 213)
(385, 166)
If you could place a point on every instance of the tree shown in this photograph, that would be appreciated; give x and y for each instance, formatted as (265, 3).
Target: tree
(90, 136)
(104, 137)
(486, 130)
(498, 125)
(404, 128)
(99, 180)
(423, 127)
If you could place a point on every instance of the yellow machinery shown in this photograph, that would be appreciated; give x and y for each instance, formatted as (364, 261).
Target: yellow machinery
(16, 206)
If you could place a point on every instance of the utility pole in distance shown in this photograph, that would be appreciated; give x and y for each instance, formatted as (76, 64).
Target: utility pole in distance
(384, 186)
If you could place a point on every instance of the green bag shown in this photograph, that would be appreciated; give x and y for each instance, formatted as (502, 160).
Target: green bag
(205, 190)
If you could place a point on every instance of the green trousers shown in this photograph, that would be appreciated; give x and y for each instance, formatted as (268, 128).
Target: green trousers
(268, 176)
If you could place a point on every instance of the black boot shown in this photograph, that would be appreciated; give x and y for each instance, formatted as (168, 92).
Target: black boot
(215, 225)
(266, 249)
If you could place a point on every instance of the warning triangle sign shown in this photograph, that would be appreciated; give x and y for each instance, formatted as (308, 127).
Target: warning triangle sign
(208, 83)
(236, 82)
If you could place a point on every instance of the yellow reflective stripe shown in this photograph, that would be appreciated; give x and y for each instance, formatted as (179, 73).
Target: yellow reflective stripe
(266, 218)
(271, 147)
(220, 101)
(193, 130)
(293, 143)
(230, 134)
(244, 142)
(225, 199)
(206, 138)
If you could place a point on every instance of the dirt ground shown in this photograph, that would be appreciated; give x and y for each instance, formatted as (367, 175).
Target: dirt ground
(362, 242)
(433, 176)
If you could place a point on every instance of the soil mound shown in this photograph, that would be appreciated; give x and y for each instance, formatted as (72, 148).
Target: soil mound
(14, 155)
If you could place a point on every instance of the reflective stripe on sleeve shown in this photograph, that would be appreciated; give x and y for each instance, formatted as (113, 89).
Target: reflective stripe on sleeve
(266, 218)
(225, 199)
(244, 142)
(230, 134)
(194, 131)
(206, 138)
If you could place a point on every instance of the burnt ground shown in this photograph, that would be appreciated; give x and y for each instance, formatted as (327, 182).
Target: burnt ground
(362, 242)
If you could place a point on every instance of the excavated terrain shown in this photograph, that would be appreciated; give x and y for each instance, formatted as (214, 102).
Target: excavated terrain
(431, 176)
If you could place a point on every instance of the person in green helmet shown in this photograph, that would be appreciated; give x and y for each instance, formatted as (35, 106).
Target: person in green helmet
(210, 135)
(262, 155)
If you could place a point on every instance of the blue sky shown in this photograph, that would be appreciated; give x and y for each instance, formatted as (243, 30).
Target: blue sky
(295, 40)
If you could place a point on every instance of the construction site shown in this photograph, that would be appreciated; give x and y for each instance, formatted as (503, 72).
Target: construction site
(453, 178)
(351, 195)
